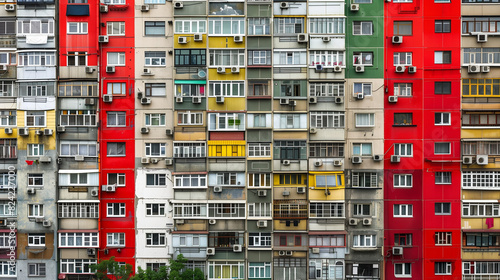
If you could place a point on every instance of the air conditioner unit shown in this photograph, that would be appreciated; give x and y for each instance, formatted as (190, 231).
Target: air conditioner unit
(326, 39)
(395, 158)
(482, 159)
(397, 251)
(94, 192)
(217, 189)
(179, 99)
(198, 37)
(337, 163)
(339, 100)
(219, 99)
(103, 8)
(212, 222)
(10, 7)
(144, 130)
(9, 130)
(284, 101)
(285, 162)
(302, 37)
(48, 132)
(262, 193)
(313, 130)
(169, 131)
(178, 5)
(31, 191)
(367, 221)
(412, 69)
(393, 99)
(110, 69)
(221, 70)
(146, 71)
(196, 100)
(319, 67)
(315, 250)
(237, 248)
(39, 132)
(47, 223)
(285, 193)
(359, 68)
(79, 158)
(397, 39)
(45, 159)
(356, 159)
(145, 101)
(238, 39)
(473, 69)
(482, 38)
(169, 161)
(89, 101)
(89, 70)
(359, 96)
(282, 253)
(155, 160)
(337, 69)
(108, 98)
(284, 5)
(313, 99)
(144, 8)
(301, 190)
(485, 69)
(61, 129)
(23, 131)
(91, 251)
(378, 157)
(180, 222)
(289, 253)
(210, 251)
(467, 160)
(182, 40)
(292, 103)
(145, 160)
(354, 7)
(261, 224)
(235, 69)
(400, 69)
(103, 39)
(108, 188)
(353, 222)
(318, 163)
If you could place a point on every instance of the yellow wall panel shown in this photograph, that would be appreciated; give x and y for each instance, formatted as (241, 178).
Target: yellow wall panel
(48, 141)
(228, 76)
(225, 43)
(190, 136)
(479, 223)
(226, 148)
(480, 133)
(480, 256)
(191, 44)
(278, 225)
(230, 104)
(294, 135)
(335, 194)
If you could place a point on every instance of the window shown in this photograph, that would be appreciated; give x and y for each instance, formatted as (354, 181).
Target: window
(480, 24)
(288, 26)
(155, 119)
(155, 209)
(259, 270)
(116, 119)
(35, 210)
(117, 179)
(362, 149)
(323, 210)
(155, 266)
(297, 209)
(403, 210)
(442, 208)
(78, 239)
(259, 210)
(481, 87)
(36, 269)
(155, 149)
(259, 26)
(188, 210)
(480, 179)
(481, 56)
(78, 118)
(403, 28)
(403, 180)
(443, 87)
(35, 180)
(327, 25)
(116, 88)
(326, 89)
(442, 178)
(361, 209)
(226, 26)
(364, 180)
(77, 265)
(154, 28)
(363, 58)
(77, 28)
(325, 119)
(227, 57)
(288, 88)
(402, 239)
(402, 58)
(116, 28)
(259, 149)
(75, 148)
(190, 57)
(482, 239)
(157, 89)
(8, 149)
(35, 150)
(116, 59)
(480, 119)
(259, 239)
(442, 148)
(115, 2)
(156, 239)
(116, 239)
(6, 269)
(77, 58)
(156, 180)
(8, 118)
(402, 269)
(36, 239)
(365, 119)
(6, 210)
(226, 270)
(190, 118)
(116, 149)
(190, 26)
(364, 240)
(442, 57)
(35, 27)
(317, 150)
(442, 119)
(362, 28)
(480, 209)
(328, 181)
(403, 118)
(7, 58)
(78, 210)
(227, 179)
(259, 57)
(403, 150)
(189, 150)
(259, 180)
(37, 59)
(226, 121)
(442, 268)
(442, 26)
(292, 150)
(259, 88)
(442, 238)
(293, 57)
(325, 58)
(364, 88)
(259, 120)
(227, 88)
(403, 89)
(6, 88)
(35, 118)
(116, 209)
(154, 58)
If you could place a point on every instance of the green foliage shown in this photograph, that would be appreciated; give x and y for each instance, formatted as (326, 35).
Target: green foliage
(175, 271)
(112, 270)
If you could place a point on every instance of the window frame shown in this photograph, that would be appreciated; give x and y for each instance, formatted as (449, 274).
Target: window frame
(402, 211)
(361, 28)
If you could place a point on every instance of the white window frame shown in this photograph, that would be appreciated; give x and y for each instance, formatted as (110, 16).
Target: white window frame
(233, 57)
(366, 88)
(77, 266)
(282, 26)
(329, 25)
(442, 118)
(359, 210)
(82, 148)
(442, 268)
(442, 178)
(290, 57)
(25, 27)
(36, 239)
(480, 180)
(158, 179)
(369, 116)
(328, 210)
(190, 150)
(118, 26)
(6, 269)
(259, 149)
(237, 26)
(80, 118)
(226, 88)
(405, 57)
(403, 89)
(162, 149)
(401, 180)
(35, 59)
(118, 146)
(35, 180)
(190, 26)
(404, 267)
(360, 180)
(160, 237)
(405, 210)
(81, 28)
(116, 209)
(442, 143)
(259, 26)
(190, 118)
(86, 239)
(262, 270)
(326, 119)
(480, 209)
(116, 88)
(35, 211)
(359, 58)
(442, 238)
(328, 59)
(400, 147)
(36, 269)
(78, 210)
(185, 181)
(35, 150)
(262, 239)
(361, 150)
(115, 239)
(155, 209)
(120, 179)
(37, 118)
(259, 210)
(120, 58)
(155, 58)
(362, 240)
(359, 26)
(326, 89)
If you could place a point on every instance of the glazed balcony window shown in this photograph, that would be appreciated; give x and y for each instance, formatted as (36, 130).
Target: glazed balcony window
(259, 210)
(327, 210)
(37, 59)
(327, 119)
(317, 150)
(482, 239)
(326, 89)
(189, 150)
(190, 210)
(190, 118)
(82, 89)
(226, 210)
(290, 209)
(226, 26)
(227, 58)
(364, 240)
(259, 180)
(327, 26)
(190, 181)
(480, 24)
(480, 209)
(259, 239)
(190, 25)
(8, 118)
(481, 87)
(288, 26)
(259, 26)
(78, 148)
(261, 57)
(189, 57)
(226, 88)
(28, 27)
(486, 119)
(77, 266)
(78, 210)
(291, 150)
(78, 239)
(225, 239)
(326, 58)
(481, 56)
(364, 180)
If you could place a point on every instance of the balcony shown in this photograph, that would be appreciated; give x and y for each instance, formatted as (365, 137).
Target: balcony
(290, 209)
